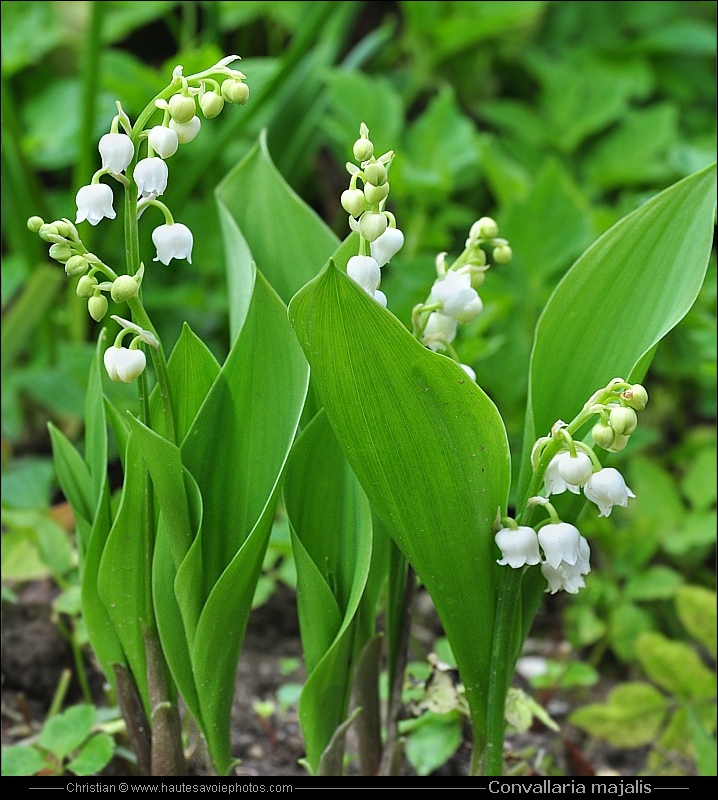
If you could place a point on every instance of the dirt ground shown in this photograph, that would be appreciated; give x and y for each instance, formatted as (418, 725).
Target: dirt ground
(270, 743)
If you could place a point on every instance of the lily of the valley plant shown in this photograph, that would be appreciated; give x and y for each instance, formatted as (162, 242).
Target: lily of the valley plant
(390, 461)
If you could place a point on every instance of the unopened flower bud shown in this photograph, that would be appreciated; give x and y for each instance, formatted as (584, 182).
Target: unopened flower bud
(636, 397)
(182, 108)
(623, 420)
(97, 306)
(34, 224)
(76, 266)
(211, 104)
(372, 225)
(375, 173)
(48, 230)
(484, 228)
(63, 229)
(375, 194)
(164, 141)
(86, 286)
(353, 202)
(603, 435)
(363, 149)
(502, 254)
(124, 288)
(235, 91)
(60, 252)
(619, 443)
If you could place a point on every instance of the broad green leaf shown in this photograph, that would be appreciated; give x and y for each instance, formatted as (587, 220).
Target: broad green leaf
(619, 299)
(626, 623)
(123, 574)
(704, 745)
(428, 448)
(696, 608)
(236, 450)
(653, 583)
(264, 208)
(432, 742)
(94, 755)
(330, 522)
(674, 753)
(632, 716)
(21, 760)
(65, 732)
(675, 667)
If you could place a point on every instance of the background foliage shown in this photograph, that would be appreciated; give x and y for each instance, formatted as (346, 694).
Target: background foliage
(555, 118)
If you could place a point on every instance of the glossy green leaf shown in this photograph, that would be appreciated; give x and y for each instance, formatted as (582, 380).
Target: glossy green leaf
(21, 760)
(675, 667)
(696, 607)
(330, 521)
(94, 755)
(619, 299)
(428, 448)
(65, 732)
(264, 208)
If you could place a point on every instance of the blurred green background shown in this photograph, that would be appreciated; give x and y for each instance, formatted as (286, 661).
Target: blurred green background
(555, 118)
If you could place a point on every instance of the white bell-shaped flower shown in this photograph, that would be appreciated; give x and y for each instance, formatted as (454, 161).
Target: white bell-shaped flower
(387, 246)
(164, 141)
(606, 488)
(380, 297)
(173, 241)
(151, 177)
(518, 547)
(365, 271)
(456, 296)
(186, 131)
(469, 371)
(554, 483)
(575, 470)
(94, 202)
(560, 542)
(565, 578)
(116, 151)
(124, 364)
(440, 331)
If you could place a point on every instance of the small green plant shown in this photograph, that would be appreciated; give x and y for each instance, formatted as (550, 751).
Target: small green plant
(75, 741)
(674, 714)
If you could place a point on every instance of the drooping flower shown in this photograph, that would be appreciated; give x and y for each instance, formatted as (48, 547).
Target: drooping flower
(124, 363)
(575, 470)
(518, 547)
(560, 541)
(564, 577)
(173, 241)
(380, 297)
(606, 488)
(151, 177)
(439, 332)
(457, 298)
(387, 246)
(554, 483)
(116, 151)
(365, 271)
(94, 202)
(164, 141)
(186, 131)
(469, 371)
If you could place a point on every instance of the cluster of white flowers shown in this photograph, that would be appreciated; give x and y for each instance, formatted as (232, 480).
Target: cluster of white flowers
(454, 299)
(368, 216)
(566, 554)
(118, 150)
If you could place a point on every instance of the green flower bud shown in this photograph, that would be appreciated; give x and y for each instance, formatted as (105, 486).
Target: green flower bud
(97, 306)
(636, 397)
(623, 420)
(211, 104)
(375, 173)
(234, 91)
(48, 230)
(502, 254)
(60, 252)
(484, 228)
(363, 149)
(86, 286)
(182, 107)
(124, 288)
(618, 444)
(375, 194)
(354, 202)
(75, 266)
(603, 435)
(63, 229)
(34, 224)
(372, 225)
